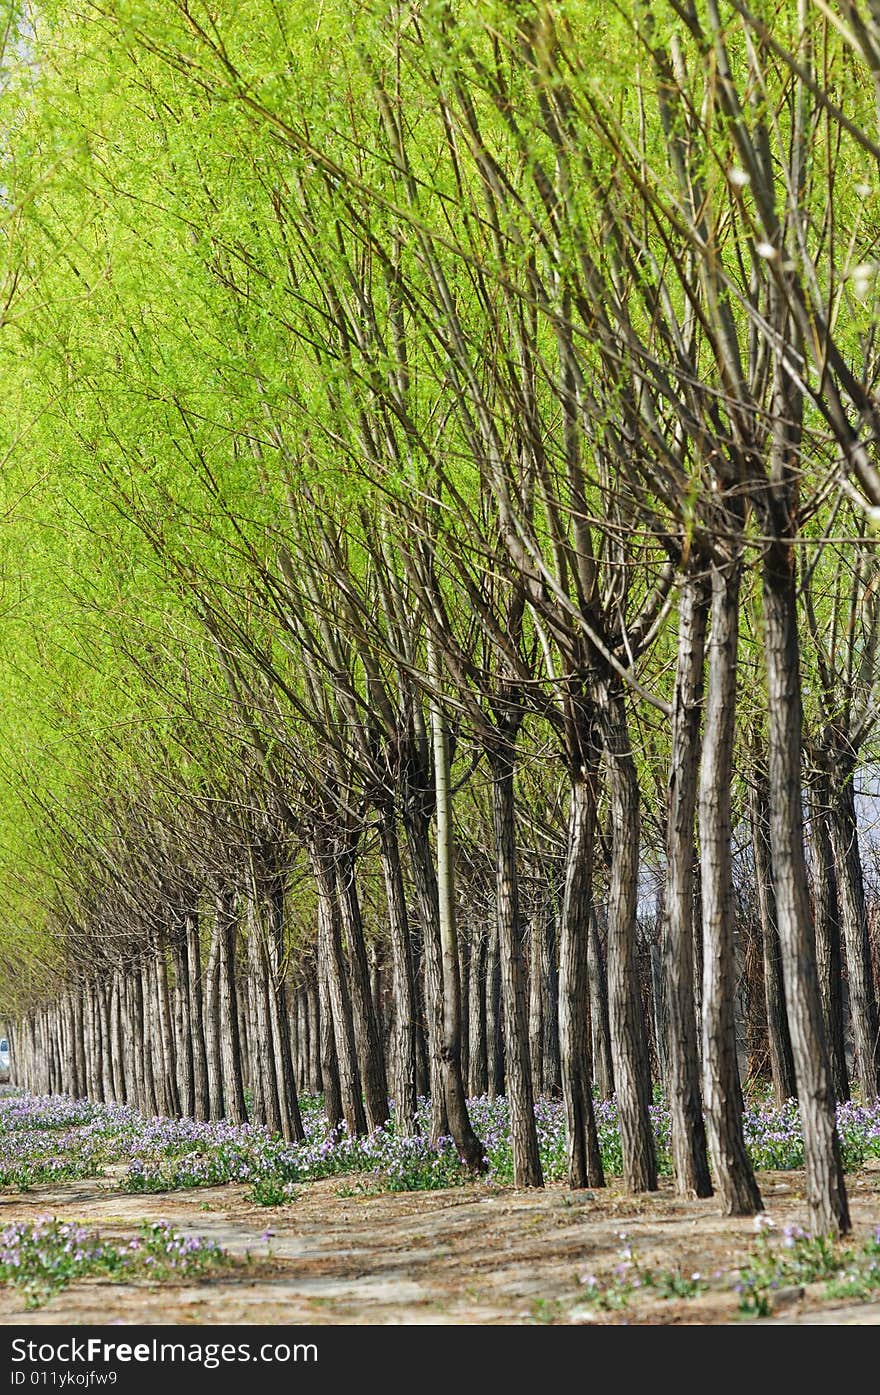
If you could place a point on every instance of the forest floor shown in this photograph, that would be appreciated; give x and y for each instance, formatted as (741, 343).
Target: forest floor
(478, 1253)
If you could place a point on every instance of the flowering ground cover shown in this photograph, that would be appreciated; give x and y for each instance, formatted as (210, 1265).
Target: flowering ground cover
(52, 1138)
(480, 1252)
(778, 1260)
(42, 1256)
(389, 1230)
(46, 1139)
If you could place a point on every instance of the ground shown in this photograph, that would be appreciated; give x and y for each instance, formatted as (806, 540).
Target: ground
(474, 1254)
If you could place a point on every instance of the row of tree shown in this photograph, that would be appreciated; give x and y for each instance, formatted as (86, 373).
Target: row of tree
(445, 441)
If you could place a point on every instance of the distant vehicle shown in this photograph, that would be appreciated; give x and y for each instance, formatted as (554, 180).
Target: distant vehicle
(4, 1060)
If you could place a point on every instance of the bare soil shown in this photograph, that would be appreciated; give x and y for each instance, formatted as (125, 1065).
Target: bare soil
(474, 1254)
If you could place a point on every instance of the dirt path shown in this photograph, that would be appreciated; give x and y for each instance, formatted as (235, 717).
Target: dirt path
(476, 1254)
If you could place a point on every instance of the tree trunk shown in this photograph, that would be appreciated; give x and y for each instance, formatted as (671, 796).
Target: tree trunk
(117, 1039)
(753, 995)
(698, 954)
(734, 1177)
(657, 1003)
(537, 999)
(779, 1038)
(184, 1031)
(377, 993)
(201, 1092)
(825, 1189)
(330, 950)
(425, 876)
(464, 978)
(603, 1065)
(690, 1159)
(102, 999)
(494, 1019)
(524, 1134)
(327, 1038)
(316, 1079)
(230, 1036)
(367, 1034)
(279, 1017)
(584, 1156)
(150, 1065)
(629, 1046)
(246, 1038)
(827, 920)
(266, 1107)
(96, 1055)
(135, 1036)
(79, 1039)
(213, 1054)
(551, 1070)
(478, 1068)
(166, 1029)
(469, 1146)
(856, 939)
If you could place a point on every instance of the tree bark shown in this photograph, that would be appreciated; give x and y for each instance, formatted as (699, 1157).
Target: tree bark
(826, 1192)
(779, 1038)
(79, 1039)
(403, 1041)
(582, 1139)
(266, 1108)
(313, 1004)
(201, 1091)
(143, 1011)
(495, 1064)
(166, 1029)
(369, 1040)
(117, 1038)
(469, 1146)
(734, 1177)
(102, 1001)
(537, 999)
(478, 1069)
(184, 1033)
(425, 876)
(213, 1054)
(629, 1046)
(329, 1057)
(829, 961)
(524, 1134)
(279, 1015)
(331, 953)
(551, 1070)
(603, 1065)
(690, 1158)
(134, 1029)
(464, 978)
(230, 1038)
(854, 923)
(752, 993)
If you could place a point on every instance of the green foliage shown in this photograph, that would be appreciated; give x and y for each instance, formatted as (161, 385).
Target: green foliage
(291, 272)
(42, 1257)
(272, 1191)
(802, 1259)
(613, 1292)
